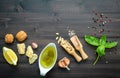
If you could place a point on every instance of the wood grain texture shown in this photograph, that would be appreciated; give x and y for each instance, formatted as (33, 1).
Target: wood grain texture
(41, 19)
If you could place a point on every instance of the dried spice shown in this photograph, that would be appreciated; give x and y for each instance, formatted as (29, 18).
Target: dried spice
(100, 19)
(101, 30)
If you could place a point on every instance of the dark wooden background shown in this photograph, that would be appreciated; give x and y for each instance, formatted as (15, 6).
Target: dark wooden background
(41, 19)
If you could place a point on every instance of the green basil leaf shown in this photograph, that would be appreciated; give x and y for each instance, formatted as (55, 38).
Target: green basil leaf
(103, 40)
(101, 50)
(92, 40)
(111, 44)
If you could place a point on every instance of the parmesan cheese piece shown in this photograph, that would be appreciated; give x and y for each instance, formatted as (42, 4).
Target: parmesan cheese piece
(21, 48)
(29, 52)
(33, 58)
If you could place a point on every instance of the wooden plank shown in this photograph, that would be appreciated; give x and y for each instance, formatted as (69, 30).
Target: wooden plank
(41, 19)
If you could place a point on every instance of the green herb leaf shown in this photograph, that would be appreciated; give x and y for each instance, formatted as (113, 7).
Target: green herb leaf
(103, 40)
(102, 44)
(111, 44)
(92, 40)
(100, 50)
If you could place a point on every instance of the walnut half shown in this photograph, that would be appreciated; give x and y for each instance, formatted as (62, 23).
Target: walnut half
(9, 38)
(21, 36)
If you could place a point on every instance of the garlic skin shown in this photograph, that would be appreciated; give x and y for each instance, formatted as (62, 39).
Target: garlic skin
(34, 45)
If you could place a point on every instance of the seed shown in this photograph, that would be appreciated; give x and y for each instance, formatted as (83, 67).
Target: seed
(56, 38)
(101, 15)
(94, 34)
(108, 30)
(110, 20)
(101, 30)
(59, 40)
(105, 22)
(57, 33)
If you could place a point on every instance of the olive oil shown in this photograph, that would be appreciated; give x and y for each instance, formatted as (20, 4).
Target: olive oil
(48, 57)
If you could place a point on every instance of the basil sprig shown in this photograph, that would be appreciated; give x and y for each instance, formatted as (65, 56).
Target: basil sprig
(101, 45)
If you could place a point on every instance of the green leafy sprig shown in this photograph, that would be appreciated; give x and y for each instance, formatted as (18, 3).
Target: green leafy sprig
(101, 44)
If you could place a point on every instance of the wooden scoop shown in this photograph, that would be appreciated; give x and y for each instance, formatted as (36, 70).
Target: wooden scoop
(69, 49)
(77, 44)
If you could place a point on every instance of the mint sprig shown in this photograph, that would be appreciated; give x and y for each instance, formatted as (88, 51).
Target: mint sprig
(101, 45)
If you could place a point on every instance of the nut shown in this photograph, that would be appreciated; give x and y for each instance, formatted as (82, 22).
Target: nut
(21, 36)
(9, 38)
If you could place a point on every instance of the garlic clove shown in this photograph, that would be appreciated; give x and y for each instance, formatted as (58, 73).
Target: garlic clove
(63, 63)
(34, 45)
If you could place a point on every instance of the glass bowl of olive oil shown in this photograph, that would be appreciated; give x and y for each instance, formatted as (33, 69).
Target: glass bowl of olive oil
(47, 58)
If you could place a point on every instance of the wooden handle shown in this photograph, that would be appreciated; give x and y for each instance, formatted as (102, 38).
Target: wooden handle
(76, 56)
(78, 46)
(83, 54)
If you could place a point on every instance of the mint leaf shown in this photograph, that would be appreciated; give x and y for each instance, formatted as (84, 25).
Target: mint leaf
(103, 40)
(92, 40)
(111, 44)
(100, 50)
